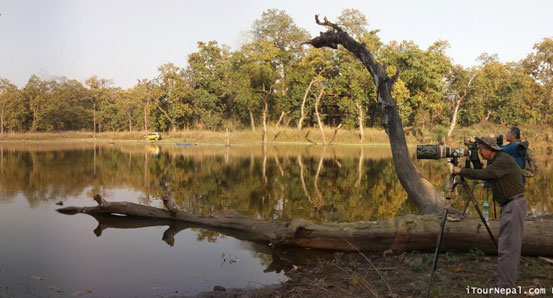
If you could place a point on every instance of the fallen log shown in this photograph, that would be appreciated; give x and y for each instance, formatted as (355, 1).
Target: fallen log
(399, 234)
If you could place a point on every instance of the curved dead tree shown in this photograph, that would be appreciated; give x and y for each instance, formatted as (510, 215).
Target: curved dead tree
(418, 189)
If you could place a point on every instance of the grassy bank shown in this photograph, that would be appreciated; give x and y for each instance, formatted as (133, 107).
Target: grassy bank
(539, 136)
(286, 135)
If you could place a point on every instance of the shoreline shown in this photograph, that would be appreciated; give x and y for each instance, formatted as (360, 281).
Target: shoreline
(396, 275)
(540, 136)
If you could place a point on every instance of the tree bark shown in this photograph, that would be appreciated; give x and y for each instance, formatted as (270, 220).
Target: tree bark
(34, 109)
(266, 94)
(454, 117)
(2, 121)
(407, 233)
(302, 110)
(317, 114)
(130, 121)
(265, 109)
(252, 121)
(418, 189)
(146, 115)
(361, 120)
(94, 117)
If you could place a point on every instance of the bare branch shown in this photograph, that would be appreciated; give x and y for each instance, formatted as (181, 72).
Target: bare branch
(309, 140)
(101, 202)
(335, 132)
(328, 23)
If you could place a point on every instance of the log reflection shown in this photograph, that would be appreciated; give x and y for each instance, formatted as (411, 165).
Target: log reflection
(283, 259)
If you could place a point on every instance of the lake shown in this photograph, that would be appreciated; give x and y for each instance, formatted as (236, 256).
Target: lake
(45, 253)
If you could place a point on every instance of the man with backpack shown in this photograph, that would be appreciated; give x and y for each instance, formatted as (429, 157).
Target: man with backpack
(519, 150)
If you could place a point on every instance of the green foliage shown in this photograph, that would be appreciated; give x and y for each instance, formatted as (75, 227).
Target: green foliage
(221, 88)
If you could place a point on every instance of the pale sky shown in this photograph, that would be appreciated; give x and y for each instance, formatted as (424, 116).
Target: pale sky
(126, 40)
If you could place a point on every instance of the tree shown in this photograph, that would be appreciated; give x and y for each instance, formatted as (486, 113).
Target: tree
(9, 96)
(419, 190)
(65, 107)
(276, 34)
(423, 73)
(459, 85)
(243, 97)
(360, 92)
(173, 96)
(539, 64)
(258, 65)
(35, 97)
(303, 78)
(99, 96)
(144, 91)
(127, 104)
(206, 74)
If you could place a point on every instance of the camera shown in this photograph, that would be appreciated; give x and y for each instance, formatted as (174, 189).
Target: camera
(500, 140)
(439, 151)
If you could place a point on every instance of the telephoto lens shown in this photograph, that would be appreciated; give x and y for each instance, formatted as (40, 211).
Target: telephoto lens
(438, 151)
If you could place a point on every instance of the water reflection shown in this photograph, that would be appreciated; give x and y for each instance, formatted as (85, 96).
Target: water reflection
(43, 253)
(273, 183)
(281, 259)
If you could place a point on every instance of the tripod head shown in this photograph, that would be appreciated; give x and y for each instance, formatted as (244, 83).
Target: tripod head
(454, 160)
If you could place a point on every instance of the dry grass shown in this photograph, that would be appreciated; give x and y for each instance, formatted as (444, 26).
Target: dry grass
(540, 137)
(398, 275)
(285, 135)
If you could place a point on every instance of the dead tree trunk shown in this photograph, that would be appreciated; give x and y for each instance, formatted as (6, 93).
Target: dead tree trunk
(454, 117)
(265, 109)
(276, 132)
(399, 234)
(361, 120)
(252, 121)
(418, 189)
(317, 114)
(302, 110)
(265, 96)
(458, 100)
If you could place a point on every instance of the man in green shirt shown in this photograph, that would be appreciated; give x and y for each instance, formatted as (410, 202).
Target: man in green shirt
(508, 191)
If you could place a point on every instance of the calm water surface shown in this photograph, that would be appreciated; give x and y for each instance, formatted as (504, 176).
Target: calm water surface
(48, 254)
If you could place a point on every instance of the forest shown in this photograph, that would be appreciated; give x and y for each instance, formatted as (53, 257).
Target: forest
(275, 78)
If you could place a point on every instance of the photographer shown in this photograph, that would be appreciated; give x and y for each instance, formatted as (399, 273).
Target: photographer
(508, 191)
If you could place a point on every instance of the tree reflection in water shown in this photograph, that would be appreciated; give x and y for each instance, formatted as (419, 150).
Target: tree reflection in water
(325, 183)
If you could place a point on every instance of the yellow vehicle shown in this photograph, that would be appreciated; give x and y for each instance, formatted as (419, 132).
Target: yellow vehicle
(154, 136)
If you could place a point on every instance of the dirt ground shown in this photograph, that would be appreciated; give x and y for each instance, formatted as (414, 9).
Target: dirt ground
(401, 275)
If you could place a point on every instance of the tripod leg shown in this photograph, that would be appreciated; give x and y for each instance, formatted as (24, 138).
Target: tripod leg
(471, 198)
(466, 207)
(437, 252)
(494, 212)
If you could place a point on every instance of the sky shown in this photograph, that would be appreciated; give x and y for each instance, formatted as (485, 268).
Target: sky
(126, 40)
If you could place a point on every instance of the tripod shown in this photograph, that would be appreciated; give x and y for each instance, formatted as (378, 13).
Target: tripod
(452, 184)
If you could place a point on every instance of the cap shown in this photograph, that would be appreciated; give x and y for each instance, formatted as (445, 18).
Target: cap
(490, 142)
